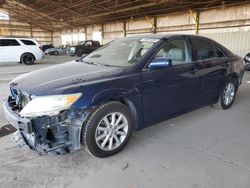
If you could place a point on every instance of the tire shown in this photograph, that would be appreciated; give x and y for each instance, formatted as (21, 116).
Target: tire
(101, 141)
(227, 95)
(56, 53)
(27, 59)
(79, 53)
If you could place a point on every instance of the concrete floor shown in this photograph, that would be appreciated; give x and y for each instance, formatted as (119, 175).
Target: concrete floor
(206, 148)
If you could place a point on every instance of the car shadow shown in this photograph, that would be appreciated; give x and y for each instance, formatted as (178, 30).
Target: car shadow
(6, 130)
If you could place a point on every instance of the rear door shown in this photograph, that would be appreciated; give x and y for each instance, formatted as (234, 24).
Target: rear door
(213, 66)
(170, 90)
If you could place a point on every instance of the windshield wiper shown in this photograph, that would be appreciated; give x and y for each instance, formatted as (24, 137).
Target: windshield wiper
(90, 63)
(106, 65)
(96, 56)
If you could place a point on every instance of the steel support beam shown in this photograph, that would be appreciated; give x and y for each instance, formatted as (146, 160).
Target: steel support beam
(195, 15)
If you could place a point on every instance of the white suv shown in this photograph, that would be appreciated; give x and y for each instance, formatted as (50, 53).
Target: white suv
(22, 50)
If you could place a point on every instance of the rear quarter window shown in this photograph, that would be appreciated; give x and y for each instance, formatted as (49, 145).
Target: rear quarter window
(219, 52)
(28, 42)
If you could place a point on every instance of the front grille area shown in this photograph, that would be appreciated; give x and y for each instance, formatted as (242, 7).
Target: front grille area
(19, 99)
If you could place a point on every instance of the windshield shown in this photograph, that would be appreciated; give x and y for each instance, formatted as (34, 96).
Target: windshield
(122, 52)
(81, 43)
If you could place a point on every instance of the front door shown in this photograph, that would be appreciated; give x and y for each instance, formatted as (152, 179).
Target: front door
(173, 89)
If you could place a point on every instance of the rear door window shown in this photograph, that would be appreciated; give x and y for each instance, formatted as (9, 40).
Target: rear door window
(9, 42)
(28, 42)
(202, 49)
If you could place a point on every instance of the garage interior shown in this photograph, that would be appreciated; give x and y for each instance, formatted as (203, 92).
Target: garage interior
(204, 148)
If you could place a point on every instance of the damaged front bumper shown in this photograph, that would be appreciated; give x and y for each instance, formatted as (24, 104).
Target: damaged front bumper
(58, 134)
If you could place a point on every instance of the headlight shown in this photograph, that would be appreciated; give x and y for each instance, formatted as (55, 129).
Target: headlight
(49, 105)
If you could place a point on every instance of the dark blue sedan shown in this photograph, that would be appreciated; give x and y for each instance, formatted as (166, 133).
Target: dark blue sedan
(128, 84)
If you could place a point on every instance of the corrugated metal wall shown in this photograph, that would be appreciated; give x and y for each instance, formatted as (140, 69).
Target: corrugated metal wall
(229, 26)
(237, 41)
(113, 31)
(19, 29)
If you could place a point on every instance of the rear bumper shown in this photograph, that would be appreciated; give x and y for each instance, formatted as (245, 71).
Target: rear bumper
(39, 56)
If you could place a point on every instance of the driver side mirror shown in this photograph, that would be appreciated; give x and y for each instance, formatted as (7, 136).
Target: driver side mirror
(160, 63)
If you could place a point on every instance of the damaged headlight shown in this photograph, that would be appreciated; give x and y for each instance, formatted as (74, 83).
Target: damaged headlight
(49, 105)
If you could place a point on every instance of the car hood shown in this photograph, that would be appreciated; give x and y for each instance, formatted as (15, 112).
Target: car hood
(63, 78)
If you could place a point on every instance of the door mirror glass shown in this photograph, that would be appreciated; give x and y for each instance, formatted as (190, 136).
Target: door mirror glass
(160, 62)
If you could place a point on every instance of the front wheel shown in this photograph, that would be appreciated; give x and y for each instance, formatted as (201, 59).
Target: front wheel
(228, 94)
(107, 130)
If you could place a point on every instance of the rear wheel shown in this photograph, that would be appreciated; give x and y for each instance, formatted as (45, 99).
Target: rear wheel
(228, 94)
(27, 59)
(107, 130)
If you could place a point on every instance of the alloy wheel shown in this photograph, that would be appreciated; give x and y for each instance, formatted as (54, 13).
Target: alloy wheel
(28, 59)
(111, 131)
(228, 94)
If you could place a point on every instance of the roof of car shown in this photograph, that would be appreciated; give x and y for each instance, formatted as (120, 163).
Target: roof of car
(161, 36)
(16, 38)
